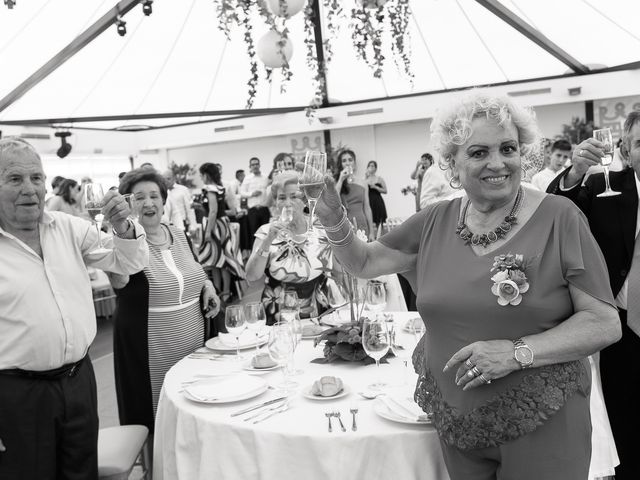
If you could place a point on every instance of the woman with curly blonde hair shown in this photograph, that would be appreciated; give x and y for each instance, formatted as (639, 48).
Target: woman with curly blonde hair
(514, 293)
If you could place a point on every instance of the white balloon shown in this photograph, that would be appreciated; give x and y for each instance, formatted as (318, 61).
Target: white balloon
(372, 3)
(291, 7)
(267, 49)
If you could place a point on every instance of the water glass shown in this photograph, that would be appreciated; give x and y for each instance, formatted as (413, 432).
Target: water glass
(376, 296)
(235, 323)
(281, 347)
(375, 341)
(256, 319)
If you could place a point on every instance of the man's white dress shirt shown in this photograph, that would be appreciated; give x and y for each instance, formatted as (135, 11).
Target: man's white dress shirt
(47, 317)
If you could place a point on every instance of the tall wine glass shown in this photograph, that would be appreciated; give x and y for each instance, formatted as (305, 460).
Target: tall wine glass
(131, 202)
(604, 135)
(256, 319)
(235, 322)
(290, 314)
(376, 296)
(312, 181)
(402, 346)
(93, 203)
(281, 347)
(375, 341)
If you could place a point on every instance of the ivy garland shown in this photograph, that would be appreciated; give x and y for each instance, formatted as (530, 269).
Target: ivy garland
(367, 28)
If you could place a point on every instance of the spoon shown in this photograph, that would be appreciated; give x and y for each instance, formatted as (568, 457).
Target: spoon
(370, 394)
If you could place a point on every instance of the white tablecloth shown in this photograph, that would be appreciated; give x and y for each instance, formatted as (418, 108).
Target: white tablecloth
(202, 442)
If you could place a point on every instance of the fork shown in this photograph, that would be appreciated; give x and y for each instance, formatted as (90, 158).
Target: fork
(353, 411)
(329, 415)
(337, 415)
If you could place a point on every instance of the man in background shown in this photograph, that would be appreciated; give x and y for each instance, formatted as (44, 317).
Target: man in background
(560, 154)
(426, 160)
(182, 215)
(435, 187)
(253, 189)
(48, 398)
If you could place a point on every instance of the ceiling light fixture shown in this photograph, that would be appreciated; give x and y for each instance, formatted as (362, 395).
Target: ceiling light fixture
(65, 148)
(146, 7)
(121, 26)
(10, 4)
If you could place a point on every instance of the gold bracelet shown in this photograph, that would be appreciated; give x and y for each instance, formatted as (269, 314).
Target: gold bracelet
(344, 241)
(339, 225)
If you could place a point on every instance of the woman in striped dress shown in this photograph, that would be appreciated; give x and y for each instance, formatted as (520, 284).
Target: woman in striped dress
(159, 317)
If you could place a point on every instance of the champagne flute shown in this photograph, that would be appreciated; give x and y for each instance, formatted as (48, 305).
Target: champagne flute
(312, 181)
(290, 314)
(376, 296)
(375, 341)
(234, 321)
(256, 319)
(281, 346)
(93, 203)
(604, 135)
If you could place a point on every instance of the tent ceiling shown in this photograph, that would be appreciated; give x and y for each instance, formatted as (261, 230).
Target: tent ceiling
(177, 62)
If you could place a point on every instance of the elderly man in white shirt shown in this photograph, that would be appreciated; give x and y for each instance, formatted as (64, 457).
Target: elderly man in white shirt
(560, 154)
(253, 189)
(48, 405)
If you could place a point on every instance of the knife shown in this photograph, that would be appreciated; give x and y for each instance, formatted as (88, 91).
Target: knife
(328, 311)
(254, 407)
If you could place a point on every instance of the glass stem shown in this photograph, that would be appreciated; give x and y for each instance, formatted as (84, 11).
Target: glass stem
(312, 210)
(99, 228)
(257, 338)
(606, 178)
(237, 348)
(378, 371)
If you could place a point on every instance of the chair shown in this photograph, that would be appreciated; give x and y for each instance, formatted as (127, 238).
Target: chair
(119, 449)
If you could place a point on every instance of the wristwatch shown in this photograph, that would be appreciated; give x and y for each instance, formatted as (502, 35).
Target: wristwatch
(522, 353)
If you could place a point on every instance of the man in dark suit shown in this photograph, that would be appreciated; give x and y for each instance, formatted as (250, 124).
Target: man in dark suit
(614, 224)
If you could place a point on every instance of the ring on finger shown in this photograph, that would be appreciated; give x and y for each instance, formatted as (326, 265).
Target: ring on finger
(468, 363)
(484, 379)
(581, 152)
(475, 371)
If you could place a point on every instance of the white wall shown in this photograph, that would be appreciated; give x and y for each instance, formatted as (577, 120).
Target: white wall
(552, 117)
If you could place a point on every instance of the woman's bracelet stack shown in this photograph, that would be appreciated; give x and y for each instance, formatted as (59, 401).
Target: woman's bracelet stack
(336, 231)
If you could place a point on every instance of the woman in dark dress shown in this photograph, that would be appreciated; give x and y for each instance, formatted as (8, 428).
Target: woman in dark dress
(377, 187)
(514, 293)
(354, 194)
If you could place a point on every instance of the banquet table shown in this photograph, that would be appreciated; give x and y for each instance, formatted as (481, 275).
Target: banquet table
(195, 441)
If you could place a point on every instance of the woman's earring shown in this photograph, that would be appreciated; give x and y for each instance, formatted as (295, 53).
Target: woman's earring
(455, 182)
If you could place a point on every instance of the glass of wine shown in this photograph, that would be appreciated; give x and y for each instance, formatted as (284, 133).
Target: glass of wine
(312, 181)
(375, 341)
(286, 217)
(256, 319)
(604, 135)
(376, 296)
(93, 203)
(281, 346)
(234, 321)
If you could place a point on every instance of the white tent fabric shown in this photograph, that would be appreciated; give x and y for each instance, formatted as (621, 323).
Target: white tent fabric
(177, 61)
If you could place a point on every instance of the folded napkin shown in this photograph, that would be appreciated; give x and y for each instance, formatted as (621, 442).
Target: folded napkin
(404, 408)
(220, 388)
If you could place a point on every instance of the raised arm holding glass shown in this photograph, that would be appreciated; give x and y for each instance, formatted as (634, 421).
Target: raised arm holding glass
(510, 285)
(48, 404)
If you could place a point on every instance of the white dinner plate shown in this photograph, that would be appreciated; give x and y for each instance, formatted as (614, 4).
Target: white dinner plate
(319, 330)
(306, 392)
(382, 410)
(337, 318)
(229, 345)
(225, 389)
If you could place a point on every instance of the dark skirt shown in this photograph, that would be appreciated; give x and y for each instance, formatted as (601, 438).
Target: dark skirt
(378, 208)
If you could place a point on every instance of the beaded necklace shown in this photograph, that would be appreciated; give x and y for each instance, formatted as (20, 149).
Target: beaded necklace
(485, 239)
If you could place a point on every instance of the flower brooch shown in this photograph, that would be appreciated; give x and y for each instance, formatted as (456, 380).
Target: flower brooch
(509, 280)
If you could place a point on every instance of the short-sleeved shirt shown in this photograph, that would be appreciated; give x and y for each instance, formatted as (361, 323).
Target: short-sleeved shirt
(455, 299)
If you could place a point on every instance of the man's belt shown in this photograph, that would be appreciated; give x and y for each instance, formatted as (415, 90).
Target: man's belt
(69, 370)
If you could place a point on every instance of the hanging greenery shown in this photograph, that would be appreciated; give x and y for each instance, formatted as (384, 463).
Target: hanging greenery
(370, 22)
(578, 130)
(183, 173)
